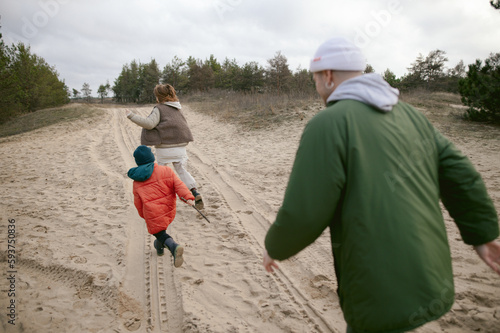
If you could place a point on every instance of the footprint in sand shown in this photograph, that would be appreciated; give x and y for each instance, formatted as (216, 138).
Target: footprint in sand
(132, 323)
(78, 260)
(40, 228)
(323, 285)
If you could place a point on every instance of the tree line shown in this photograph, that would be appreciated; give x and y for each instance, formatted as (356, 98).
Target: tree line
(27, 82)
(478, 84)
(429, 73)
(136, 81)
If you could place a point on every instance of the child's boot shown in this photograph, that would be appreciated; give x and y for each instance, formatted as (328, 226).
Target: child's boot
(198, 201)
(176, 250)
(158, 247)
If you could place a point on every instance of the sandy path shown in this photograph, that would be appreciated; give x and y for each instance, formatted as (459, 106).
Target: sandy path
(224, 286)
(86, 263)
(65, 188)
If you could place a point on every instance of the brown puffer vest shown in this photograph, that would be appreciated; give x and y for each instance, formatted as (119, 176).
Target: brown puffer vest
(172, 128)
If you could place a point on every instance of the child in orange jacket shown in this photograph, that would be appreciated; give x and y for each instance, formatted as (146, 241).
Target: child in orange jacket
(155, 188)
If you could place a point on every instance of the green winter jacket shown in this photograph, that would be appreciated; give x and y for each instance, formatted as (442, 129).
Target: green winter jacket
(376, 178)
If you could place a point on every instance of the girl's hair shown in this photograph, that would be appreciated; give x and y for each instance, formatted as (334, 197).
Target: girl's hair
(165, 93)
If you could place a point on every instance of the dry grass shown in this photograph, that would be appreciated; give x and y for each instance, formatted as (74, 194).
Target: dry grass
(259, 111)
(34, 120)
(433, 102)
(446, 112)
(252, 111)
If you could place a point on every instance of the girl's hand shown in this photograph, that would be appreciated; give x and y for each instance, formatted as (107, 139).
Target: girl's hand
(190, 202)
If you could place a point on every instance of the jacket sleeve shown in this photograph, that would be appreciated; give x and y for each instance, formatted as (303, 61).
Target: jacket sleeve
(313, 191)
(148, 123)
(138, 203)
(464, 195)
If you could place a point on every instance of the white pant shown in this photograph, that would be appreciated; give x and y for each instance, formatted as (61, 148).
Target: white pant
(178, 157)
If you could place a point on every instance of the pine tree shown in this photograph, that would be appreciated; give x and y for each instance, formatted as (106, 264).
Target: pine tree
(369, 69)
(480, 89)
(102, 91)
(278, 74)
(86, 92)
(149, 77)
(175, 74)
(390, 77)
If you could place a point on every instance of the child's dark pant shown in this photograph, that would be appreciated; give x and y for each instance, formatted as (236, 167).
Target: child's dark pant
(166, 240)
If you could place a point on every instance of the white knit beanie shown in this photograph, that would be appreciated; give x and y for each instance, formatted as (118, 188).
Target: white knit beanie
(338, 54)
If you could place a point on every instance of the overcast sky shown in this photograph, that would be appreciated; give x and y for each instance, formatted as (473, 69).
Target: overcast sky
(89, 41)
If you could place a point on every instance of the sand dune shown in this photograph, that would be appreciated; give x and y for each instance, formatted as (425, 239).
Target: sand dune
(85, 263)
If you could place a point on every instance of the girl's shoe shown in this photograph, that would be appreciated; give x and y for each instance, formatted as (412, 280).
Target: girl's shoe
(198, 201)
(178, 252)
(159, 248)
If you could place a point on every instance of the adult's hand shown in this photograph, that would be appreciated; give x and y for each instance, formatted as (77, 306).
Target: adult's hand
(490, 253)
(128, 112)
(269, 263)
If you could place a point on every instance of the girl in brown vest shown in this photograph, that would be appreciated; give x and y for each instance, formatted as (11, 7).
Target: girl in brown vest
(167, 130)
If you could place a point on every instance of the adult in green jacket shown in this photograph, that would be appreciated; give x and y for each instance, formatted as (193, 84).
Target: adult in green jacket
(374, 170)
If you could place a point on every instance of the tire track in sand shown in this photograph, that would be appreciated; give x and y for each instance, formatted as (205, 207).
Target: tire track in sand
(254, 216)
(161, 289)
(231, 201)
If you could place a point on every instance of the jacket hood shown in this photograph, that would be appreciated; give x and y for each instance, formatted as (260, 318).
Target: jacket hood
(176, 105)
(142, 172)
(370, 89)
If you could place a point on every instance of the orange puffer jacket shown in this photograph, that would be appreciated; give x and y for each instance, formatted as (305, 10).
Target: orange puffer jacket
(155, 198)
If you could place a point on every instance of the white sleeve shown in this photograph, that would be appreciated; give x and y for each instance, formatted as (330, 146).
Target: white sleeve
(148, 123)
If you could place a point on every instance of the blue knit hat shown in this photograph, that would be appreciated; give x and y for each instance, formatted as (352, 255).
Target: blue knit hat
(143, 155)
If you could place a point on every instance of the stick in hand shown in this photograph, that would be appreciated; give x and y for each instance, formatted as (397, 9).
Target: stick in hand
(196, 210)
